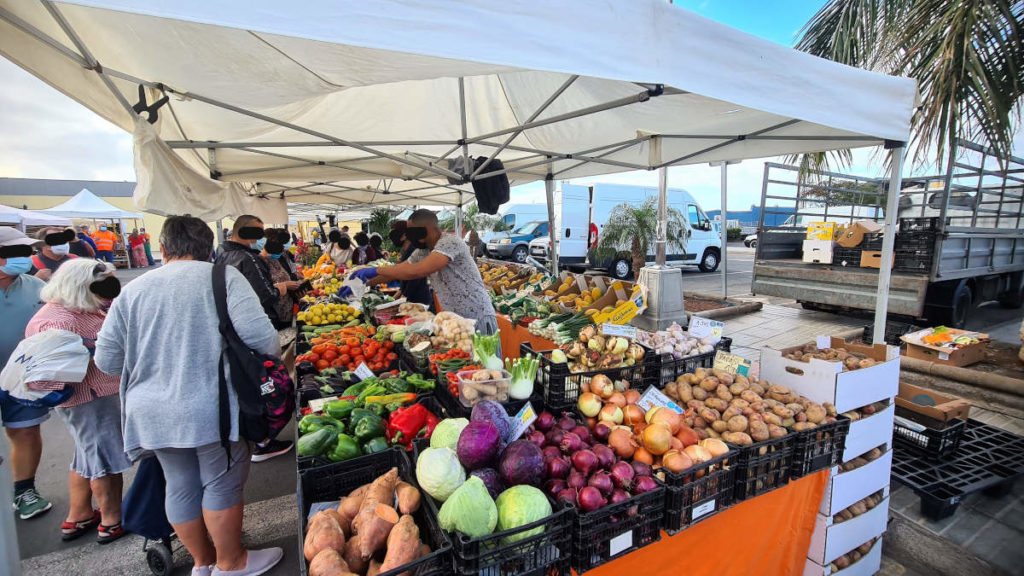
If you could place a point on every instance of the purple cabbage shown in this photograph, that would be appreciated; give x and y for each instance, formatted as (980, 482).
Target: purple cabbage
(478, 445)
(491, 411)
(521, 463)
(491, 480)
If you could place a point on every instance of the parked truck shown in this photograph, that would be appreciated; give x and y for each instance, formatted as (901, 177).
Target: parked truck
(960, 239)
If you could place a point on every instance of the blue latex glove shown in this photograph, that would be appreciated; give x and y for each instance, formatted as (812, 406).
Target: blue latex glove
(345, 292)
(365, 274)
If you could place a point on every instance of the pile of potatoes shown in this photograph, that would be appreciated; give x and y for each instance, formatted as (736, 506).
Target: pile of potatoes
(371, 531)
(850, 360)
(869, 456)
(734, 409)
(859, 507)
(851, 557)
(865, 411)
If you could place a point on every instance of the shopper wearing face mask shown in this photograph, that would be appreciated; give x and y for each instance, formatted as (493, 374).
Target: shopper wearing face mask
(339, 249)
(79, 247)
(53, 252)
(19, 303)
(274, 255)
(76, 299)
(242, 251)
(105, 241)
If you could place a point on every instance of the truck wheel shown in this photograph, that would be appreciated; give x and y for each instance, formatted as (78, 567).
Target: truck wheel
(963, 301)
(519, 254)
(709, 261)
(620, 269)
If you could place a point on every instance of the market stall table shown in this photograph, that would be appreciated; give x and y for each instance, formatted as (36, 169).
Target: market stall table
(512, 335)
(768, 535)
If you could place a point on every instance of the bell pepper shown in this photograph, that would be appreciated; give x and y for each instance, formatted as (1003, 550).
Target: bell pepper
(406, 423)
(397, 386)
(340, 409)
(314, 422)
(357, 415)
(355, 389)
(372, 390)
(368, 427)
(419, 382)
(345, 448)
(376, 444)
(316, 443)
(404, 398)
(428, 427)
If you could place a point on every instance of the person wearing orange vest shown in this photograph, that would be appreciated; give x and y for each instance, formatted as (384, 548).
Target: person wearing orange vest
(105, 241)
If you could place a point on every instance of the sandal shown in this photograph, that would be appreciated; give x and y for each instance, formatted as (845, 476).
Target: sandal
(72, 530)
(107, 534)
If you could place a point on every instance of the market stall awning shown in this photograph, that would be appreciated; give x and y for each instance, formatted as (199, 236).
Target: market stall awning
(87, 205)
(9, 215)
(352, 102)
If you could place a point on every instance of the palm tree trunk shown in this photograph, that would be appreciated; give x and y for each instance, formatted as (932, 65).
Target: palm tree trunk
(639, 258)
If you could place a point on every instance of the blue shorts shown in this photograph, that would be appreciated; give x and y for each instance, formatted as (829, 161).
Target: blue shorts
(18, 415)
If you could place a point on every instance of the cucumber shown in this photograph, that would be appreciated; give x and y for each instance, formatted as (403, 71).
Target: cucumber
(308, 328)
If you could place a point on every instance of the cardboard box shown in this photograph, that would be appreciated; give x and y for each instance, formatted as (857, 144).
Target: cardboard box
(830, 541)
(873, 259)
(866, 566)
(633, 307)
(821, 231)
(845, 488)
(823, 381)
(869, 432)
(970, 354)
(818, 251)
(932, 404)
(853, 235)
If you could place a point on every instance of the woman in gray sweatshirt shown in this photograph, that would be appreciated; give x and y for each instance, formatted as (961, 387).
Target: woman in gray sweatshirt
(161, 337)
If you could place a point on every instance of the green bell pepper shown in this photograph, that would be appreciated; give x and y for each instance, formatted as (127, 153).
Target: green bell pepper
(316, 443)
(340, 409)
(372, 390)
(368, 427)
(419, 382)
(379, 409)
(357, 415)
(396, 386)
(355, 389)
(312, 422)
(376, 444)
(345, 448)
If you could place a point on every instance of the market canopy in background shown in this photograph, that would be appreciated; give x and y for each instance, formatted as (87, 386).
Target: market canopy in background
(22, 218)
(352, 102)
(87, 205)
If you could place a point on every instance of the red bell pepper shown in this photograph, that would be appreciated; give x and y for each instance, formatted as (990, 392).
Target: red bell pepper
(406, 423)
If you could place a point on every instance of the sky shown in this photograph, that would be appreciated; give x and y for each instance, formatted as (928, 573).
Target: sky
(44, 134)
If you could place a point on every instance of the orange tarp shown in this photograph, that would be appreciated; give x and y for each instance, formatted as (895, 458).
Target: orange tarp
(512, 336)
(765, 536)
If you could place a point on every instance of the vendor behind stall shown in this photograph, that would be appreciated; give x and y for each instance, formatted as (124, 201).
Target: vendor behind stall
(445, 259)
(417, 290)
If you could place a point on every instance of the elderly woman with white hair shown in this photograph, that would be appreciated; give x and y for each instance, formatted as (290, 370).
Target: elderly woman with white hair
(77, 298)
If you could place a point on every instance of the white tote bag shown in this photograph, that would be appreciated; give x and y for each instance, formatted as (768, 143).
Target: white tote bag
(54, 356)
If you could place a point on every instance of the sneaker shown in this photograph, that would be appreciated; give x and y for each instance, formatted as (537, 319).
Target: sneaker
(257, 562)
(203, 570)
(30, 504)
(273, 449)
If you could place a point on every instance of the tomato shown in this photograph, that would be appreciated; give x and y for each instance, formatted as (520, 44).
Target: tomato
(344, 349)
(359, 359)
(322, 364)
(392, 356)
(319, 348)
(313, 357)
(389, 345)
(353, 342)
(329, 355)
(337, 363)
(346, 358)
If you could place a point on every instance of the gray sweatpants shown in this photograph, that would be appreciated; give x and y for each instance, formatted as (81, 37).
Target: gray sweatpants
(199, 478)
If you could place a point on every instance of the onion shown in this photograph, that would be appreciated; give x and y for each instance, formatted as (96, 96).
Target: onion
(610, 413)
(632, 415)
(715, 447)
(570, 443)
(557, 468)
(605, 456)
(554, 486)
(676, 461)
(622, 475)
(657, 439)
(585, 461)
(669, 418)
(618, 399)
(644, 484)
(675, 444)
(566, 423)
(575, 480)
(687, 436)
(589, 404)
(583, 432)
(554, 436)
(618, 496)
(551, 452)
(621, 441)
(621, 385)
(602, 481)
(590, 421)
(602, 386)
(642, 455)
(650, 413)
(536, 438)
(601, 430)
(567, 495)
(641, 468)
(545, 421)
(632, 396)
(590, 499)
(698, 454)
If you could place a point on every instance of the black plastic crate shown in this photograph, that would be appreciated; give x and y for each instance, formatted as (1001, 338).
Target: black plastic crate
(819, 448)
(848, 257)
(330, 483)
(870, 242)
(937, 440)
(700, 492)
(665, 368)
(560, 388)
(893, 331)
(617, 529)
(925, 223)
(912, 261)
(764, 466)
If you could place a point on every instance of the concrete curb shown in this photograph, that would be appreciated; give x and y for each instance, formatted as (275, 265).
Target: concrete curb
(738, 309)
(927, 553)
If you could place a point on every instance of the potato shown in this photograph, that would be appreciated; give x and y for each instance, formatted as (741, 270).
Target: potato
(717, 404)
(772, 418)
(778, 389)
(815, 413)
(795, 407)
(723, 392)
(720, 426)
(754, 416)
(788, 422)
(700, 373)
(776, 431)
(737, 389)
(749, 396)
(738, 438)
(738, 424)
(710, 384)
(782, 411)
(757, 388)
(866, 363)
(801, 426)
(858, 508)
(730, 412)
(711, 433)
(699, 393)
(770, 403)
(800, 417)
(759, 431)
(830, 409)
(710, 414)
(671, 391)
(699, 424)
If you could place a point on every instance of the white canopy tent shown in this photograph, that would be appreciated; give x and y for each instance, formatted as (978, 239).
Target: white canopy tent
(89, 206)
(22, 218)
(366, 102)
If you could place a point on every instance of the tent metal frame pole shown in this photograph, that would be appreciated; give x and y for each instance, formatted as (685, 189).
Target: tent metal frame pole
(38, 34)
(187, 144)
(896, 150)
(731, 141)
(538, 153)
(769, 137)
(549, 194)
(725, 230)
(661, 242)
(618, 146)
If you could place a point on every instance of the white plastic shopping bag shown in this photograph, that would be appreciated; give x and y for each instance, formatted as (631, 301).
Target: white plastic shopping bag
(53, 356)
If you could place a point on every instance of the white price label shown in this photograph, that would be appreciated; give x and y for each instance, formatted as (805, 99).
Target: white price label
(731, 363)
(363, 371)
(704, 327)
(943, 356)
(522, 421)
(622, 330)
(317, 404)
(705, 508)
(654, 397)
(824, 342)
(620, 543)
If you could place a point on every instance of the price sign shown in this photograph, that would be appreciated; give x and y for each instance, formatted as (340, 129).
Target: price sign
(363, 371)
(522, 421)
(823, 342)
(622, 330)
(317, 404)
(704, 327)
(620, 543)
(705, 508)
(654, 397)
(731, 363)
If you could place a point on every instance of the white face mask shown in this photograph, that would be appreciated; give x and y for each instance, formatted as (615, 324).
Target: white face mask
(61, 250)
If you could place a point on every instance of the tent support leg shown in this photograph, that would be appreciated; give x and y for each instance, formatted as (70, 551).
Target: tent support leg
(896, 151)
(549, 190)
(662, 240)
(725, 230)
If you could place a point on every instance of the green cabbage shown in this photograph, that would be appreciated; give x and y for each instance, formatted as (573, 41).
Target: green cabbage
(439, 472)
(518, 506)
(469, 510)
(446, 433)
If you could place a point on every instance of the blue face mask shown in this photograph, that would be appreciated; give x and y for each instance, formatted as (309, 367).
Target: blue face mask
(288, 246)
(259, 244)
(17, 265)
(275, 256)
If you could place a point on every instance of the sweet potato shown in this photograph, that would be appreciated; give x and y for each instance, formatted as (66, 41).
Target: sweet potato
(321, 516)
(403, 544)
(374, 530)
(349, 506)
(408, 498)
(325, 534)
(374, 568)
(352, 556)
(381, 491)
(328, 562)
(423, 550)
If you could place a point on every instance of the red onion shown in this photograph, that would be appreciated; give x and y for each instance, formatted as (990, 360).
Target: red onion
(590, 499)
(554, 436)
(554, 486)
(602, 481)
(576, 480)
(536, 438)
(618, 496)
(584, 461)
(583, 432)
(622, 475)
(602, 430)
(550, 452)
(641, 468)
(556, 468)
(566, 423)
(545, 421)
(644, 484)
(571, 443)
(568, 495)
(605, 456)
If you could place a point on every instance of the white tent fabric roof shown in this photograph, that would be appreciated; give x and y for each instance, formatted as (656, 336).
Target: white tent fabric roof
(10, 215)
(347, 101)
(85, 204)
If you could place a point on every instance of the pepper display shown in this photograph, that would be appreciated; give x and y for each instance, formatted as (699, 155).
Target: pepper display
(406, 424)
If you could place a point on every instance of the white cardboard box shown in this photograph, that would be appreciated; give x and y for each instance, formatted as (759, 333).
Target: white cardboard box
(845, 488)
(869, 432)
(830, 541)
(823, 381)
(818, 251)
(866, 566)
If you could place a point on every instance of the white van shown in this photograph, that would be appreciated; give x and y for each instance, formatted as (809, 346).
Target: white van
(581, 212)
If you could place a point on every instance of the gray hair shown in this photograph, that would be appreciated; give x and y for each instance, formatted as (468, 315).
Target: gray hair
(186, 237)
(69, 285)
